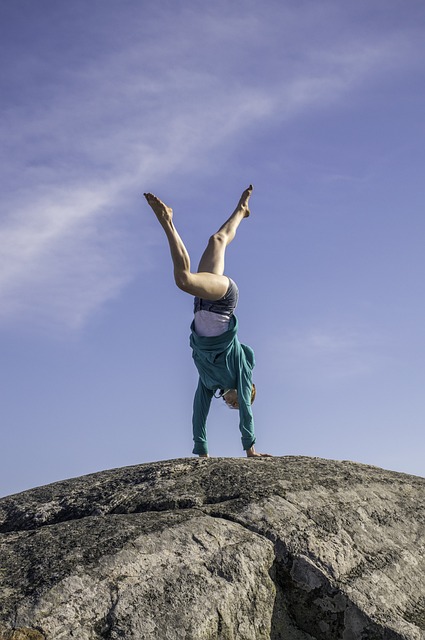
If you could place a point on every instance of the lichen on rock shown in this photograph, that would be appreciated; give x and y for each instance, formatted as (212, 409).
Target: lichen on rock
(21, 634)
(287, 548)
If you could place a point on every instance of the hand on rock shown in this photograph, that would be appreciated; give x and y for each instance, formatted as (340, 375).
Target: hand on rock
(252, 453)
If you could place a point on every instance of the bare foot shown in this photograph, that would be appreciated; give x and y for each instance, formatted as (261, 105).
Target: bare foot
(162, 212)
(243, 202)
(252, 453)
(203, 455)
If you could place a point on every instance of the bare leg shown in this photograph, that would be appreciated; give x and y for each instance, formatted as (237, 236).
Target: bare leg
(208, 284)
(212, 260)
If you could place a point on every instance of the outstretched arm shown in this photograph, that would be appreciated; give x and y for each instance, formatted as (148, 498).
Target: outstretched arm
(246, 418)
(201, 407)
(246, 422)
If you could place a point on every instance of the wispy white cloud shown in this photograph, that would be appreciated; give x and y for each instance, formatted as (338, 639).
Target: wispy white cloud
(95, 132)
(55, 260)
(325, 356)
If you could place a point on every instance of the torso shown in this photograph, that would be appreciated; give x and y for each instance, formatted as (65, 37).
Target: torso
(208, 323)
(212, 317)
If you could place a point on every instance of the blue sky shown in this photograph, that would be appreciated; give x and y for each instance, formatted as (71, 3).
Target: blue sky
(320, 105)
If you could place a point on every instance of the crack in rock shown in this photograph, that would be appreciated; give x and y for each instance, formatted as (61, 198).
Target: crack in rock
(234, 549)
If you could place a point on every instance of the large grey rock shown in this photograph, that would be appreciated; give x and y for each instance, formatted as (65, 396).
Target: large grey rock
(283, 548)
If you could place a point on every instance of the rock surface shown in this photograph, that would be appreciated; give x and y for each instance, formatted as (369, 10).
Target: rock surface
(235, 549)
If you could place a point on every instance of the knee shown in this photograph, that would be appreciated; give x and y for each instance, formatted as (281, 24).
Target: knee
(218, 238)
(182, 280)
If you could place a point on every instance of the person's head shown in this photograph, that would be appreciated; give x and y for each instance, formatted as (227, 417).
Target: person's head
(230, 397)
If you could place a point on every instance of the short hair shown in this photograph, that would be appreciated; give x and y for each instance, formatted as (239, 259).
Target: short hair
(223, 392)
